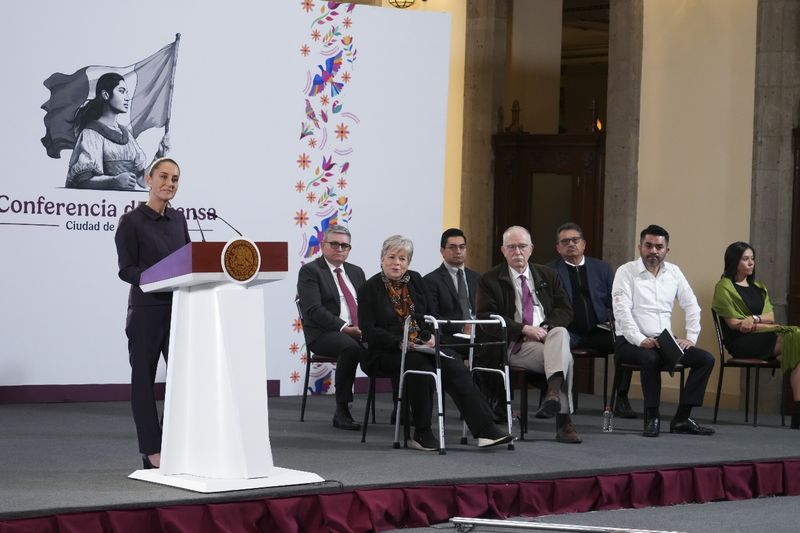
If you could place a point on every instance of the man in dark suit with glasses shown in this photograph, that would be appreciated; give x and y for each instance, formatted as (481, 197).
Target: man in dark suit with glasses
(327, 289)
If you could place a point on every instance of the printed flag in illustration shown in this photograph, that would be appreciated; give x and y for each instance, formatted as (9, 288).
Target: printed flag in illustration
(150, 81)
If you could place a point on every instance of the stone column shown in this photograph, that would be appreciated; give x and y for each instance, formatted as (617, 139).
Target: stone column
(777, 111)
(622, 134)
(484, 74)
(777, 103)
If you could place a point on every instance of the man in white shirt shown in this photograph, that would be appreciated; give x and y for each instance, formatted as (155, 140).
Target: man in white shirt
(643, 294)
(327, 289)
(537, 312)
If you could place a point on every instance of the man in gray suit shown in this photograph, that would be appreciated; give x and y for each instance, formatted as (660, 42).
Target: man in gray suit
(327, 289)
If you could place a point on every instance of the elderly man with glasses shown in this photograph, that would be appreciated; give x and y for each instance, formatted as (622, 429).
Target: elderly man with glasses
(327, 289)
(537, 311)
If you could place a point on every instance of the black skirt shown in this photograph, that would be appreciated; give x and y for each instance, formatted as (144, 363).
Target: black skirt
(753, 345)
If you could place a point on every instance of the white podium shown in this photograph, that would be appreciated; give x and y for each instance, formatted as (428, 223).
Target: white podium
(216, 431)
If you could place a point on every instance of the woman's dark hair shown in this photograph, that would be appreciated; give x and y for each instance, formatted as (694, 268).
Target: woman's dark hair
(93, 109)
(733, 254)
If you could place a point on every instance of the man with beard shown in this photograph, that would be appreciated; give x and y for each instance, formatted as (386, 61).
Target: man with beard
(643, 293)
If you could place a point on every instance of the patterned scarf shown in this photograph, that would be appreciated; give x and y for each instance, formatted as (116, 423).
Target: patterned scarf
(401, 301)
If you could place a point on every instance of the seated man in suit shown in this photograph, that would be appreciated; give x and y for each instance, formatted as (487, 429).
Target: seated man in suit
(588, 284)
(452, 287)
(537, 311)
(643, 295)
(327, 289)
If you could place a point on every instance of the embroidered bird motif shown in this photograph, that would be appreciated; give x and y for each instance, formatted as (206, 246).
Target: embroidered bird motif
(315, 241)
(312, 116)
(332, 66)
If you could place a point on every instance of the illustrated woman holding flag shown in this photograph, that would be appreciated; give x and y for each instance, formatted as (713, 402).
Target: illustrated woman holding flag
(106, 154)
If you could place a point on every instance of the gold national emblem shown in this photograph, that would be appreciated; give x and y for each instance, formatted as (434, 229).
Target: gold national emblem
(241, 260)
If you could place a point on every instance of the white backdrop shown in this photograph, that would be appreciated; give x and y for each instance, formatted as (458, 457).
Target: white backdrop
(243, 77)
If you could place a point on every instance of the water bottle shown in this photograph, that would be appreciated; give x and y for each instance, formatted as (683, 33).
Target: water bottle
(608, 420)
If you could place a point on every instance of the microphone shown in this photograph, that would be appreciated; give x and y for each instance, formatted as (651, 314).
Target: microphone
(202, 235)
(228, 224)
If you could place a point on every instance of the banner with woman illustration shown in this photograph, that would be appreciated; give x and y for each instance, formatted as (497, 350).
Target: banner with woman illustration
(285, 116)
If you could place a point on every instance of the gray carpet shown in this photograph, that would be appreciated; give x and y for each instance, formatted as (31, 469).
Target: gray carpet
(72, 457)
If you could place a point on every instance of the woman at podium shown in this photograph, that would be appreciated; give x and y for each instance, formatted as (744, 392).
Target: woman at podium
(145, 236)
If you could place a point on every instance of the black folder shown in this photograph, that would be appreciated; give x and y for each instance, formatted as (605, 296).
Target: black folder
(670, 351)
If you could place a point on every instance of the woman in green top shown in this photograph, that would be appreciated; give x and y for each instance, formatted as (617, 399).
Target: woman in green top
(748, 320)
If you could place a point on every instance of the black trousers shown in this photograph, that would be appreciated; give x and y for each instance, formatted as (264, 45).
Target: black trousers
(457, 382)
(348, 352)
(147, 328)
(699, 361)
(600, 339)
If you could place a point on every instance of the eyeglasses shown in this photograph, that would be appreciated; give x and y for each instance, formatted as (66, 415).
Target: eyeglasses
(454, 247)
(520, 247)
(338, 245)
(573, 240)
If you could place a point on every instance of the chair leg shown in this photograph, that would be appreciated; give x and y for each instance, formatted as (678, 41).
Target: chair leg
(370, 403)
(372, 392)
(614, 387)
(755, 399)
(605, 381)
(719, 391)
(305, 387)
(784, 378)
(523, 400)
(747, 395)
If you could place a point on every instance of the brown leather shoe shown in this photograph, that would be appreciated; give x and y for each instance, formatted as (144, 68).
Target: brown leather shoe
(567, 434)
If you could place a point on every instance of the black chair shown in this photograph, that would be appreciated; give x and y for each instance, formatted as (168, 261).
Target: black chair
(748, 363)
(523, 378)
(590, 353)
(371, 402)
(636, 368)
(310, 359)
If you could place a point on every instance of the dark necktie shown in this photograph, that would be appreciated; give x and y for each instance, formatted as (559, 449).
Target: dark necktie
(463, 299)
(348, 297)
(527, 310)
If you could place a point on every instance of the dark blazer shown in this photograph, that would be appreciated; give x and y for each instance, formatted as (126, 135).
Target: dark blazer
(381, 329)
(443, 298)
(496, 295)
(600, 277)
(319, 297)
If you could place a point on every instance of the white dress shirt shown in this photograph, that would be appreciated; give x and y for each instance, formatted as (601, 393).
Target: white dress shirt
(538, 310)
(643, 302)
(344, 311)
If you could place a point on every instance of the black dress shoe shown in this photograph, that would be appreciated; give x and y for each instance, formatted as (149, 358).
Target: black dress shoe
(652, 427)
(345, 421)
(622, 408)
(146, 464)
(689, 427)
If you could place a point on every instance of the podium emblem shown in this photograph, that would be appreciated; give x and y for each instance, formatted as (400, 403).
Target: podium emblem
(241, 260)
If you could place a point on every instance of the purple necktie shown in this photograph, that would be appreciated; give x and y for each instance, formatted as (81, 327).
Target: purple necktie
(527, 310)
(348, 297)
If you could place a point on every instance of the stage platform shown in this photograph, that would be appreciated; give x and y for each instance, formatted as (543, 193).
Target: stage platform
(75, 458)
